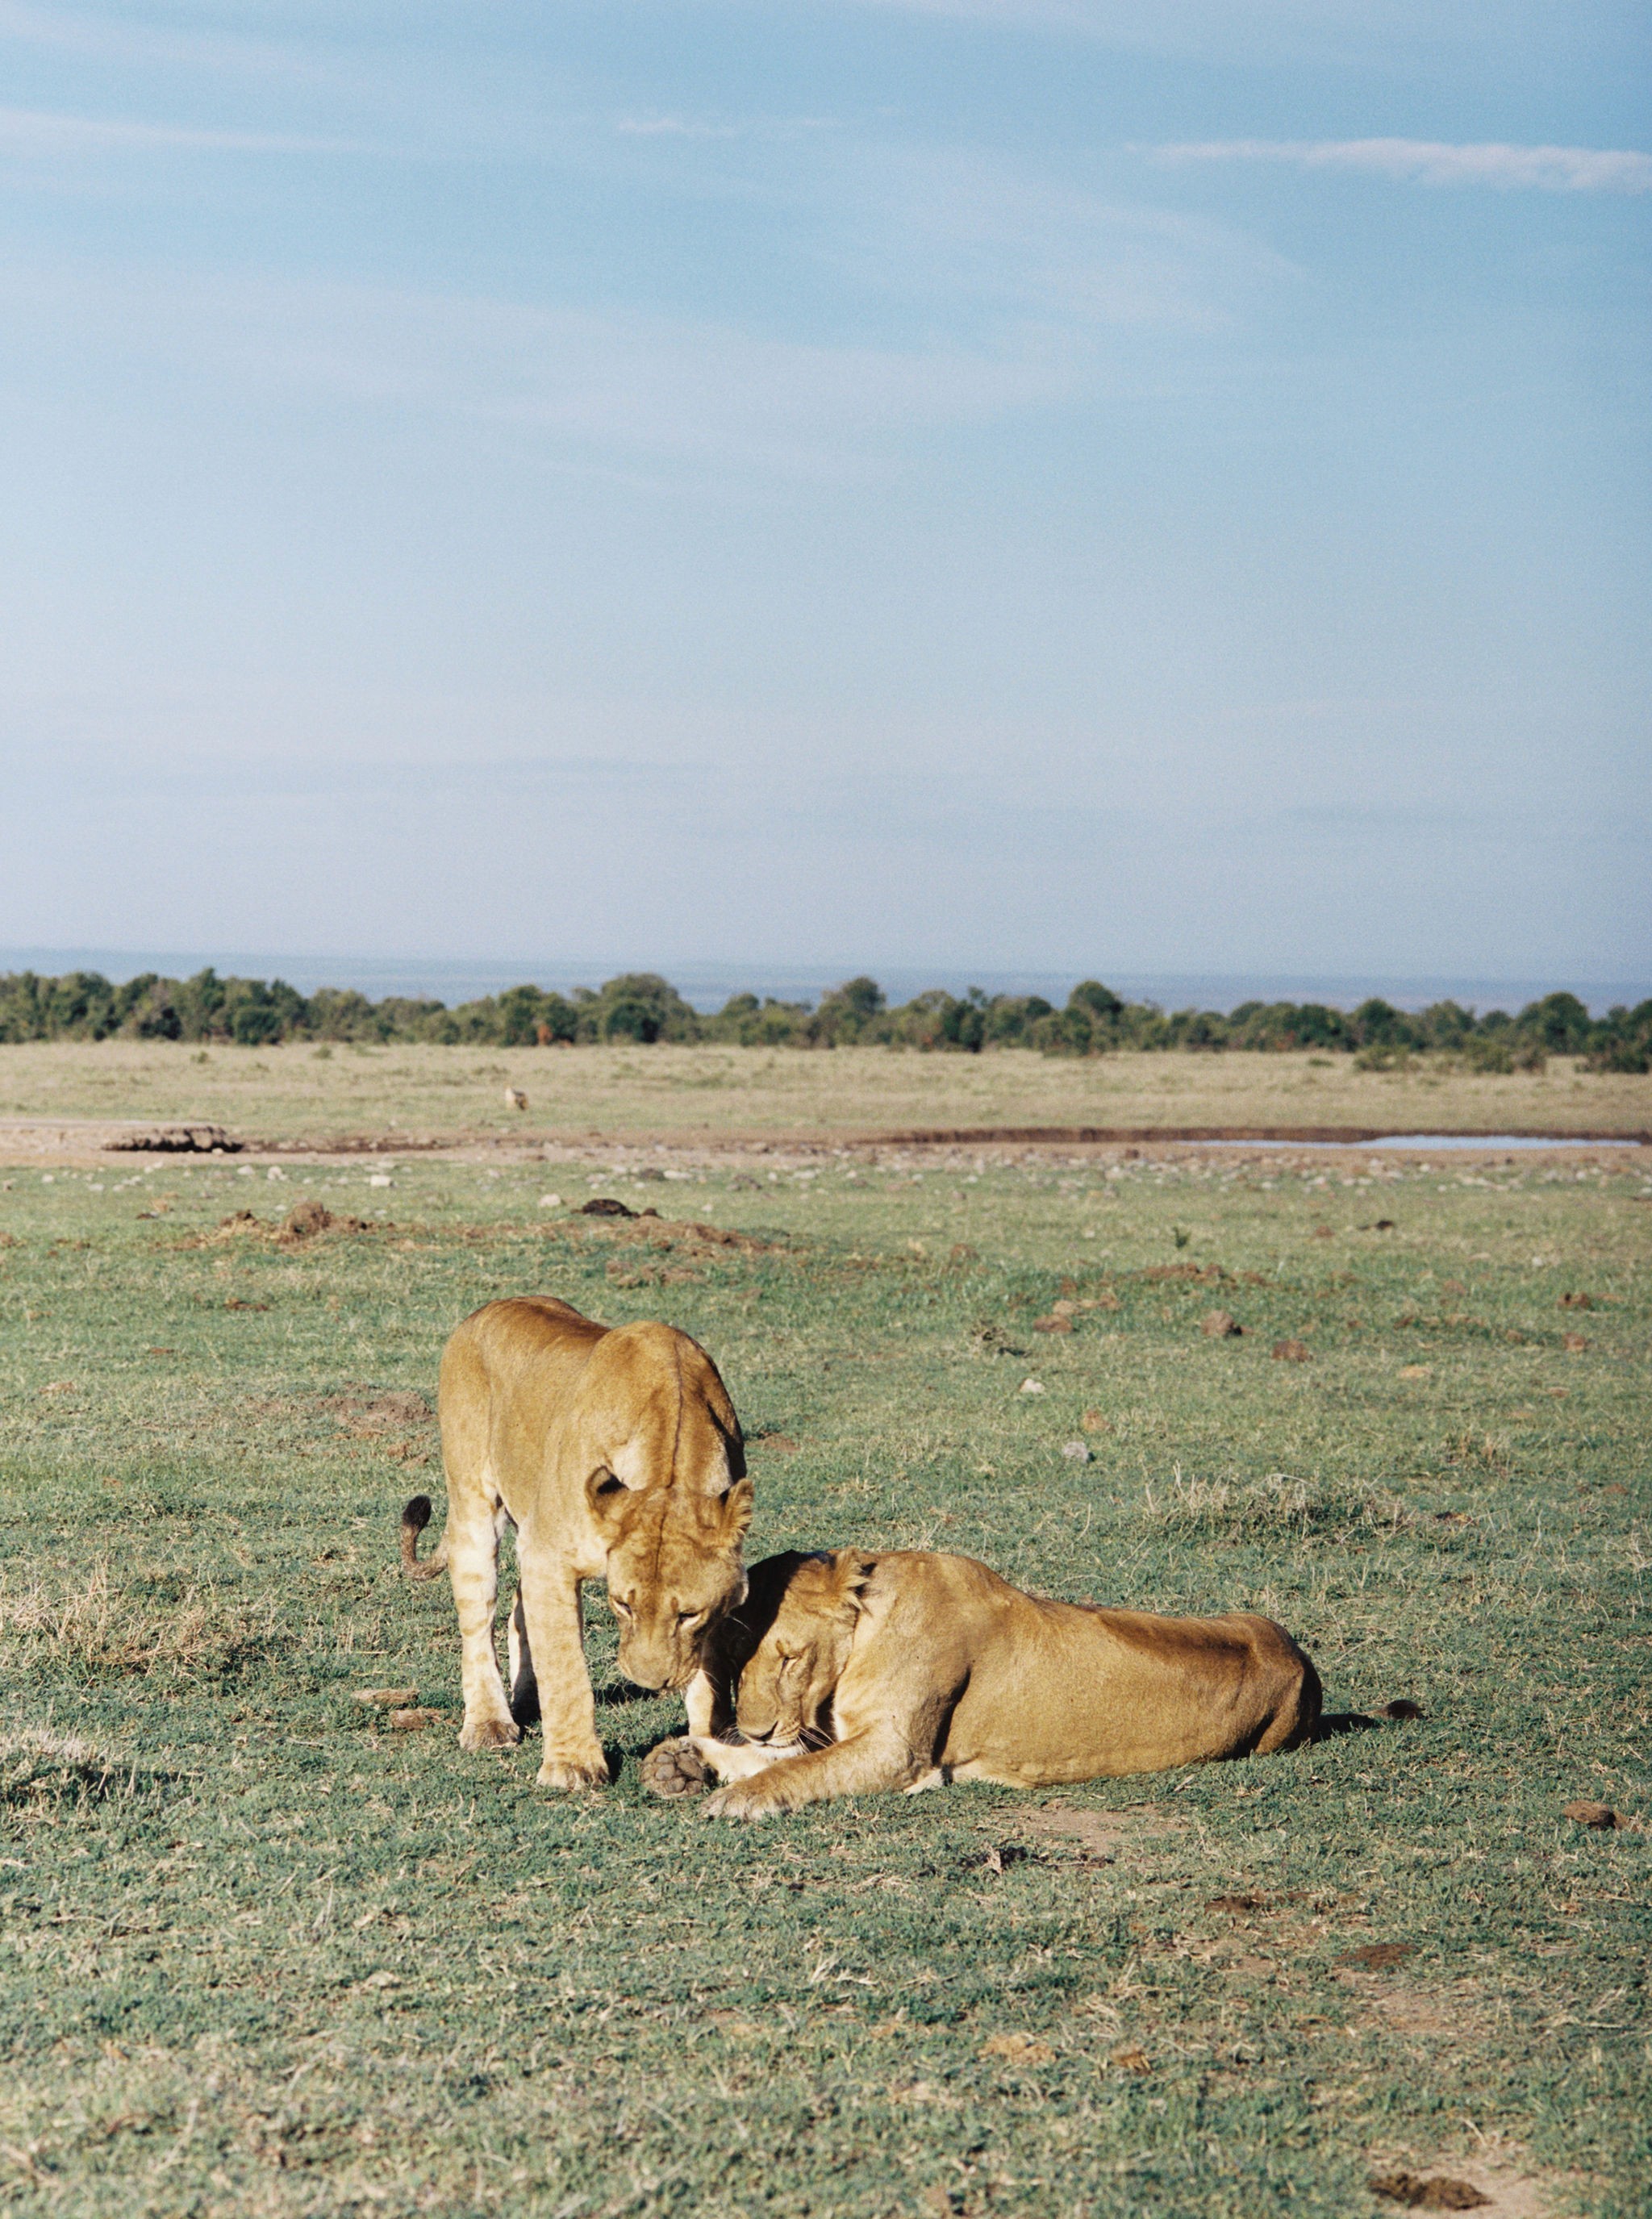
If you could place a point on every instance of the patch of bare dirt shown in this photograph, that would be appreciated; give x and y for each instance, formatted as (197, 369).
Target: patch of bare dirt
(1097, 1836)
(1494, 2185)
(367, 1415)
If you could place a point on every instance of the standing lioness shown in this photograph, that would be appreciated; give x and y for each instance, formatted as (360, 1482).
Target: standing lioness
(617, 1455)
(849, 1673)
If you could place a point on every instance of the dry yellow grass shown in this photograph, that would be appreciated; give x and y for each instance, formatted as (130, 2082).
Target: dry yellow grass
(712, 1092)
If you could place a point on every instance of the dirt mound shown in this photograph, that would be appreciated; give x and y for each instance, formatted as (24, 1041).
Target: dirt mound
(309, 1218)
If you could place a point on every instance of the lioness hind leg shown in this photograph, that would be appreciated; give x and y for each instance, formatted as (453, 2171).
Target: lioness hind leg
(473, 1567)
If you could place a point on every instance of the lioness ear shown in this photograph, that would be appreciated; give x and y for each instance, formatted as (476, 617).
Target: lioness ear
(856, 1568)
(736, 1509)
(604, 1493)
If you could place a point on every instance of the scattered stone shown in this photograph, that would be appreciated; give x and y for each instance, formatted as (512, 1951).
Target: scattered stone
(550, 1202)
(1292, 1352)
(1601, 1816)
(413, 1721)
(1219, 1325)
(386, 1698)
(1415, 1370)
(1079, 1451)
(1054, 1323)
(1032, 1387)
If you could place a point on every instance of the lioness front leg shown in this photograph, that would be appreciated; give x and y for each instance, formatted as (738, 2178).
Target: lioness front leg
(550, 1599)
(863, 1765)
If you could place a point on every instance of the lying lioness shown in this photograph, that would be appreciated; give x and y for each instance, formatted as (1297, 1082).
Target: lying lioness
(618, 1456)
(852, 1673)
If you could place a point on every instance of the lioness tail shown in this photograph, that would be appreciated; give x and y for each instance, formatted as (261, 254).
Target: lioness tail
(414, 1519)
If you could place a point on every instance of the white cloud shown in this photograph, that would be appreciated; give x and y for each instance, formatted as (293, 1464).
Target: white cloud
(1551, 169)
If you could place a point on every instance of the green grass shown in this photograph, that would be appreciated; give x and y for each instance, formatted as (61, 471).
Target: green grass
(262, 1956)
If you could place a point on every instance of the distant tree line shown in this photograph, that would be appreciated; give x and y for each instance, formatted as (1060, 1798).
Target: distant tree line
(641, 1006)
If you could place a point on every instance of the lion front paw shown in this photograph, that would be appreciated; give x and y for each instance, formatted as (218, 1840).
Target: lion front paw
(674, 1767)
(570, 1774)
(489, 1733)
(742, 1799)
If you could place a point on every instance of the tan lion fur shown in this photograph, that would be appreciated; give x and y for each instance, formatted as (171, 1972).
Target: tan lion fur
(851, 1672)
(617, 1455)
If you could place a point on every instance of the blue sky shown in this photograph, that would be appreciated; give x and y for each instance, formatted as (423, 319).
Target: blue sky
(1003, 484)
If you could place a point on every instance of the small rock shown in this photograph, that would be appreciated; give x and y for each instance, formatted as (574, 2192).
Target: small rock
(1219, 1325)
(1601, 1816)
(1292, 1352)
(386, 1698)
(379, 1179)
(1079, 1451)
(1053, 1323)
(550, 1202)
(1032, 1387)
(413, 1721)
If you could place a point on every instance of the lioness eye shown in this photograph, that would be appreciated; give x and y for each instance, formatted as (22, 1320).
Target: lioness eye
(689, 1617)
(623, 1608)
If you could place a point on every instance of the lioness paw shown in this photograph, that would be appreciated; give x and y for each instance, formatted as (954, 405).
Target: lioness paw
(569, 1773)
(674, 1767)
(740, 1801)
(489, 1733)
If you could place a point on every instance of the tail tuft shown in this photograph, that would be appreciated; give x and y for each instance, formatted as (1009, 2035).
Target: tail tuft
(414, 1519)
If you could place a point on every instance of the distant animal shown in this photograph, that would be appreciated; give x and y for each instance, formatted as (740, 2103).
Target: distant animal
(850, 1672)
(515, 1099)
(617, 1455)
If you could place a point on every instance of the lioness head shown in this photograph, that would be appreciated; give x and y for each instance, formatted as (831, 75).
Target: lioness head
(665, 1481)
(786, 1688)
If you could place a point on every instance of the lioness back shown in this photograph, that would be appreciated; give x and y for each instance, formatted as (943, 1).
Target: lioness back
(1060, 1691)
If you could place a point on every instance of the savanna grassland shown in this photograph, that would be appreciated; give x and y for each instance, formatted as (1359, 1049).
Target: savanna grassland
(262, 1954)
(295, 1091)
